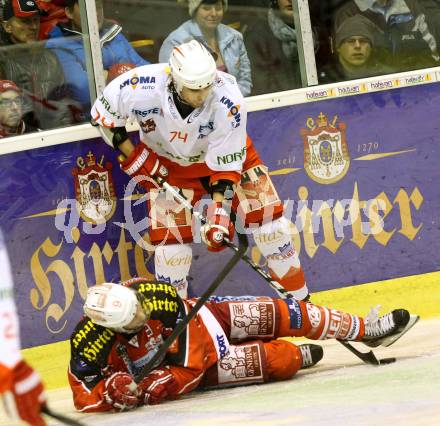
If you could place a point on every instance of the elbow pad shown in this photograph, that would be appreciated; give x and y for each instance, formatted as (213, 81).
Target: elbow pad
(114, 136)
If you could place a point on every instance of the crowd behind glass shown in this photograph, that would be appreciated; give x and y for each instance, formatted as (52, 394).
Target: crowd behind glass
(43, 77)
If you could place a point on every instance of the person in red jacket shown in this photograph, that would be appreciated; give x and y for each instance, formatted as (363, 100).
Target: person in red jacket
(52, 13)
(13, 120)
(231, 341)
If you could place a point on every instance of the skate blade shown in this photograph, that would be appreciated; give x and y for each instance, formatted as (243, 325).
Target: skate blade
(388, 341)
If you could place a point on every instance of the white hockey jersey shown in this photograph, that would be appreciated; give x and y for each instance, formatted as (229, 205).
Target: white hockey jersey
(214, 134)
(9, 327)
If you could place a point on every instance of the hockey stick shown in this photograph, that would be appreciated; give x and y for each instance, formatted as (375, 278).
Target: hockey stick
(63, 419)
(243, 245)
(367, 357)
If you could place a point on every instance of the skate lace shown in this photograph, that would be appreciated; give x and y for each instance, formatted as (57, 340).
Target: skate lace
(306, 355)
(377, 326)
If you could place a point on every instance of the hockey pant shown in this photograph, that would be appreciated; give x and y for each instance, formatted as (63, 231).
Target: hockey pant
(259, 360)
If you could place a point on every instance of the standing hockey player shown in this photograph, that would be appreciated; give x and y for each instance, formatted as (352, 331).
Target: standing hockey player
(192, 121)
(230, 341)
(20, 386)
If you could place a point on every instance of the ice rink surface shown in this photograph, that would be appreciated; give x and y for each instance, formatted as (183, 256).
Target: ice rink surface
(340, 390)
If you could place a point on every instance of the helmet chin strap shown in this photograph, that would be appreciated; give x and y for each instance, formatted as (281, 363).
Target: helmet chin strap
(182, 106)
(176, 94)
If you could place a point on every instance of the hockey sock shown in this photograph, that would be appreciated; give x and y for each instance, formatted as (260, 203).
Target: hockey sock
(275, 243)
(172, 263)
(328, 323)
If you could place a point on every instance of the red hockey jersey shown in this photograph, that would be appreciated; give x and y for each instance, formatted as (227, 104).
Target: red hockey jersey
(97, 352)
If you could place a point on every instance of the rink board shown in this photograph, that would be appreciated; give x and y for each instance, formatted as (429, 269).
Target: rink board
(368, 206)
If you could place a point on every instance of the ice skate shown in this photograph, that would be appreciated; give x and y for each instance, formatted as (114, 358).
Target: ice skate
(385, 330)
(311, 355)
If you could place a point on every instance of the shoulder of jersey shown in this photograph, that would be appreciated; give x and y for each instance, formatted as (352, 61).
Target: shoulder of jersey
(146, 77)
(226, 85)
(86, 331)
(223, 78)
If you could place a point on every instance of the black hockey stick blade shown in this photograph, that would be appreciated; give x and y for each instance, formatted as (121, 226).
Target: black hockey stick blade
(61, 418)
(243, 245)
(367, 357)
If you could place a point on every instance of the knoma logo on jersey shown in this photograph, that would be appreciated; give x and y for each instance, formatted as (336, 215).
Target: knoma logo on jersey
(147, 81)
(233, 111)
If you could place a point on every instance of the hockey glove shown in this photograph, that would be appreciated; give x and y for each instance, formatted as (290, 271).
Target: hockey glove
(26, 397)
(142, 162)
(218, 227)
(158, 386)
(121, 392)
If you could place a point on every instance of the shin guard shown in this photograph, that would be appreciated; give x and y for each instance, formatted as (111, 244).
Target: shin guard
(275, 243)
(328, 323)
(172, 263)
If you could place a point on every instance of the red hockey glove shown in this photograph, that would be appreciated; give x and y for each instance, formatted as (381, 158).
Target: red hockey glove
(158, 386)
(142, 162)
(218, 227)
(121, 392)
(26, 398)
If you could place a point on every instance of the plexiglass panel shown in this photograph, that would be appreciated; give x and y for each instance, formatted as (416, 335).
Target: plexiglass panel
(253, 40)
(364, 38)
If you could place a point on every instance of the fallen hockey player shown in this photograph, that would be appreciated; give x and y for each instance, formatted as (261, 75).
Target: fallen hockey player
(231, 341)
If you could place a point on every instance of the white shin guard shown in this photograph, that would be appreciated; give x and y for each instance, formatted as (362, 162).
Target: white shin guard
(172, 263)
(275, 243)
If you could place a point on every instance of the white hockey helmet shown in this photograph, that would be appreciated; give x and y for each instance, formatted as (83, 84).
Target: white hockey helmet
(111, 305)
(192, 66)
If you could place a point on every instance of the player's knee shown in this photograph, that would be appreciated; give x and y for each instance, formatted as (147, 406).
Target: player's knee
(170, 224)
(271, 233)
(172, 263)
(283, 359)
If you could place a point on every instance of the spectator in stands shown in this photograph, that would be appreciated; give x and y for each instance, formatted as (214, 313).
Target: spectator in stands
(271, 44)
(65, 40)
(52, 14)
(20, 22)
(11, 111)
(355, 44)
(32, 67)
(411, 29)
(224, 42)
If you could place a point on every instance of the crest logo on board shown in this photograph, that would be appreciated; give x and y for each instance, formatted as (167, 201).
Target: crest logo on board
(326, 157)
(94, 189)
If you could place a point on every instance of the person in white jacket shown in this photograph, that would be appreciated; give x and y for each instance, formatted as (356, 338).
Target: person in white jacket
(225, 43)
